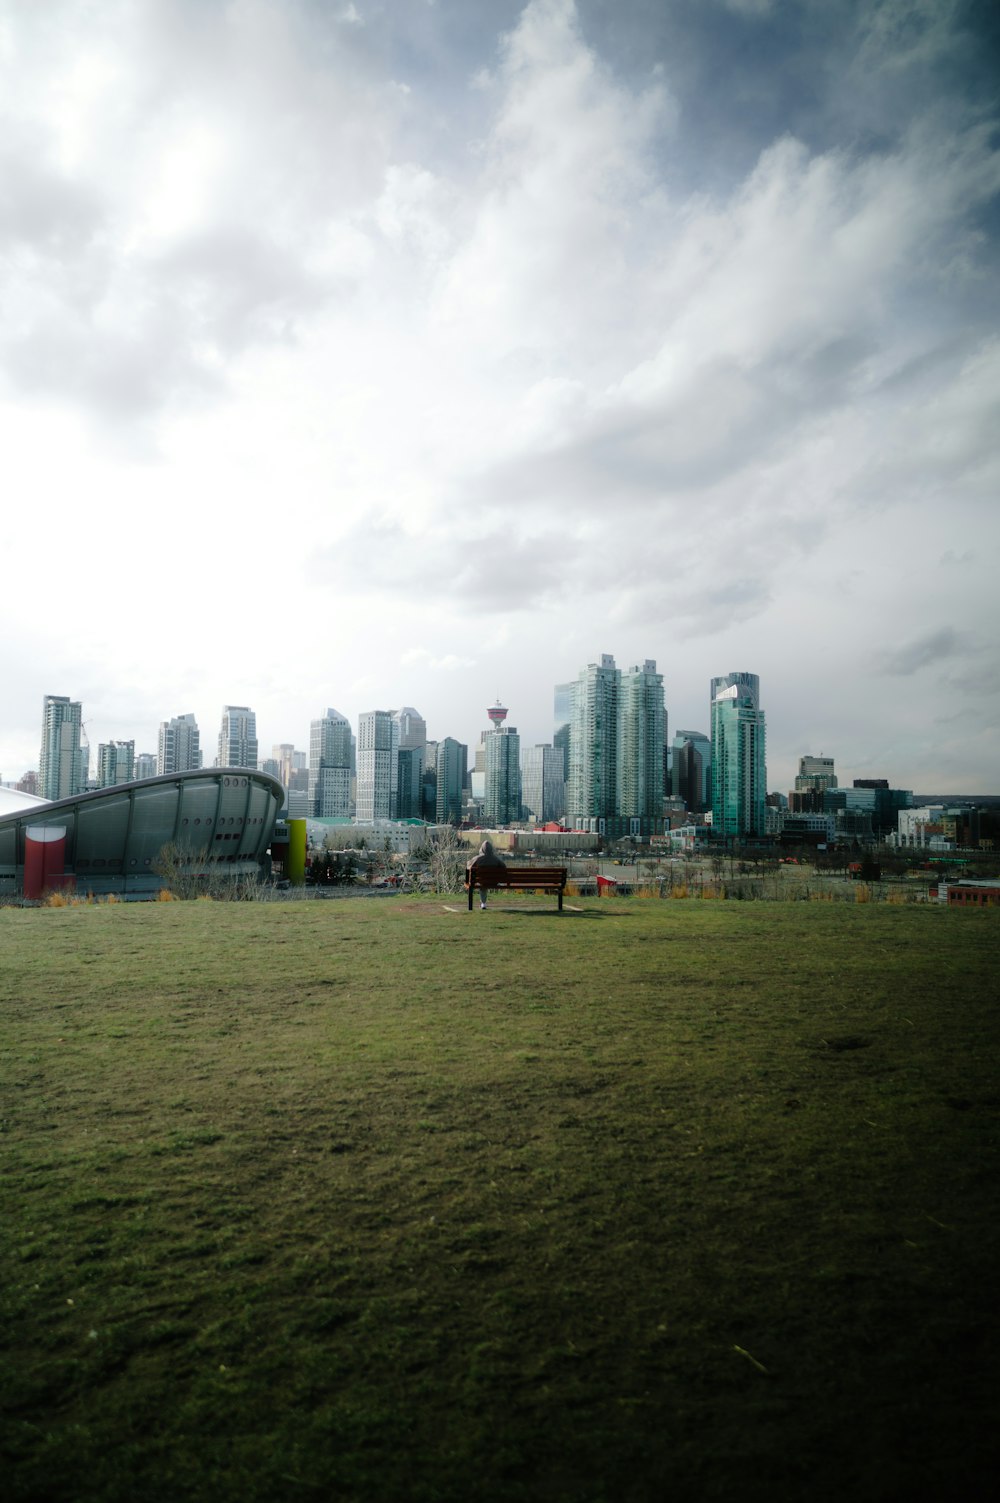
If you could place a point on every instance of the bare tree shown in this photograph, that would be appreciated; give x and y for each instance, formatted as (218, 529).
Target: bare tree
(194, 874)
(448, 858)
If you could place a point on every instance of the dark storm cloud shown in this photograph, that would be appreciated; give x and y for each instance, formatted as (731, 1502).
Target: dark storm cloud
(663, 453)
(586, 570)
(937, 647)
(850, 73)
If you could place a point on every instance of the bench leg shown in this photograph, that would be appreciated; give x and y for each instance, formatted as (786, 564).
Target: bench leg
(560, 900)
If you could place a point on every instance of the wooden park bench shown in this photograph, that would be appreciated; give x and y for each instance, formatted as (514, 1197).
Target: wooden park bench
(517, 879)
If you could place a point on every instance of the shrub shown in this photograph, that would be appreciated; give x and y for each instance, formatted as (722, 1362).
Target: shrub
(193, 874)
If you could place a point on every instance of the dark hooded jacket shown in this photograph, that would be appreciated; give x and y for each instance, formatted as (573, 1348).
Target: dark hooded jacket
(487, 857)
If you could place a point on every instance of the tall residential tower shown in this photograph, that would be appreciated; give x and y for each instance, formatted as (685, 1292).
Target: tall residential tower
(378, 743)
(63, 764)
(642, 725)
(238, 737)
(179, 745)
(739, 775)
(593, 744)
(330, 766)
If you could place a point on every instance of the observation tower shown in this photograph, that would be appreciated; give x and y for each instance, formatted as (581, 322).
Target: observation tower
(497, 714)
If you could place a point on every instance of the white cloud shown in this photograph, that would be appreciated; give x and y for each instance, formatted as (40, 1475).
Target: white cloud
(420, 656)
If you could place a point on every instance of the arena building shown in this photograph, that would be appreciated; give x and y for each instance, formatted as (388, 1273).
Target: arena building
(220, 820)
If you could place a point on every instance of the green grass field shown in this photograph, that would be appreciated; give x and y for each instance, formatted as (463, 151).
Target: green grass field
(371, 1200)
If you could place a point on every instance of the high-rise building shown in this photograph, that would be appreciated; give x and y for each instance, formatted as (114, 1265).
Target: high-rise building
(64, 762)
(428, 784)
(145, 765)
(815, 773)
(294, 766)
(739, 773)
(477, 772)
(502, 799)
(691, 770)
(238, 738)
(562, 710)
(329, 766)
(452, 759)
(543, 789)
(642, 724)
(115, 763)
(593, 744)
(179, 745)
(412, 729)
(815, 776)
(283, 753)
(377, 765)
(409, 782)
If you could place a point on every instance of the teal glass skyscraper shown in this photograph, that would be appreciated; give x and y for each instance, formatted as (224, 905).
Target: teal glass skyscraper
(642, 725)
(63, 763)
(593, 745)
(503, 775)
(739, 773)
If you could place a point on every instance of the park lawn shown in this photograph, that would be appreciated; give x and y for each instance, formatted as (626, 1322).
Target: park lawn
(378, 1199)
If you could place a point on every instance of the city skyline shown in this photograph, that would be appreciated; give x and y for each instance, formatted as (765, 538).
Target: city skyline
(408, 354)
(266, 745)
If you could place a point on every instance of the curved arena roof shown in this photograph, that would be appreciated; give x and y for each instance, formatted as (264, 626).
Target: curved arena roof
(110, 840)
(13, 801)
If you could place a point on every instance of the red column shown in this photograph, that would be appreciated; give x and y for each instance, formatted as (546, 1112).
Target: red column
(44, 858)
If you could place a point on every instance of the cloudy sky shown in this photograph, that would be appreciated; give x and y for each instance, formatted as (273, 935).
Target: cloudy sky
(362, 353)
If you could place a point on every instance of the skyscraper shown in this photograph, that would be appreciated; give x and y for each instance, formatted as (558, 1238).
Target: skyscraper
(377, 768)
(115, 763)
(452, 759)
(412, 747)
(739, 774)
(562, 711)
(63, 764)
(543, 788)
(284, 753)
(412, 728)
(691, 774)
(329, 766)
(179, 745)
(238, 738)
(409, 782)
(502, 802)
(814, 777)
(642, 720)
(593, 744)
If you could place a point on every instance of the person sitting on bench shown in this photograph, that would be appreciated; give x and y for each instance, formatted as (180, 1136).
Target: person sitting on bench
(487, 857)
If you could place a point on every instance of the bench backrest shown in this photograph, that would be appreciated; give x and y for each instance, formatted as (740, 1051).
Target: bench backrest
(527, 876)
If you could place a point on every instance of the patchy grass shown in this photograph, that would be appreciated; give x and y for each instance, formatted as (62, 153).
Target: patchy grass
(374, 1200)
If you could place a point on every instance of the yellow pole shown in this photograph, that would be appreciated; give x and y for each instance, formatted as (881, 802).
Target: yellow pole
(295, 868)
